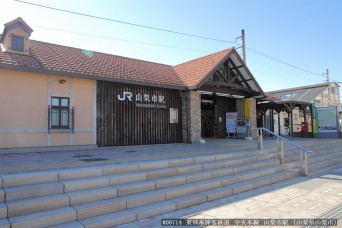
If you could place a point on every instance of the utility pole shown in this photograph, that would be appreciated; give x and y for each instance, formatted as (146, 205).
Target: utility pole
(243, 45)
(327, 73)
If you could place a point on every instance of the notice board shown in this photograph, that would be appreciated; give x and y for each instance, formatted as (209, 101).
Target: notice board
(231, 122)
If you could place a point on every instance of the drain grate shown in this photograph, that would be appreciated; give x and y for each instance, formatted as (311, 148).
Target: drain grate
(82, 156)
(93, 159)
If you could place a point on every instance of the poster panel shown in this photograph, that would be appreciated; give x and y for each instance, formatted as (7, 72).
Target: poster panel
(231, 122)
(314, 121)
(327, 119)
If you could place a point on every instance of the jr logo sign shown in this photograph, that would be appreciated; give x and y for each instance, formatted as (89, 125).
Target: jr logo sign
(125, 95)
(144, 100)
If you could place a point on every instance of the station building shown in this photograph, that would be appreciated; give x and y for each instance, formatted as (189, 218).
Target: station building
(53, 95)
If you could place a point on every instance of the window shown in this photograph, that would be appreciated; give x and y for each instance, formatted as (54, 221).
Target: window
(317, 101)
(59, 114)
(17, 43)
(333, 90)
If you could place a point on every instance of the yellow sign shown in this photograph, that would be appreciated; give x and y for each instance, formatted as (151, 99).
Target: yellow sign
(247, 109)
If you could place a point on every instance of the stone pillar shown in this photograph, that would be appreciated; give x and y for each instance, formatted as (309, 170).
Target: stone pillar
(191, 116)
(240, 107)
(253, 115)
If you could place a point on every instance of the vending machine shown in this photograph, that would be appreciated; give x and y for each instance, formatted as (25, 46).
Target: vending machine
(241, 130)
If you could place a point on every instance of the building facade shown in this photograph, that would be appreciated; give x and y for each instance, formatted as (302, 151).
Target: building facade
(53, 95)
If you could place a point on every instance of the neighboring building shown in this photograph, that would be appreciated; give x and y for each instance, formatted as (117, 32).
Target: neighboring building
(322, 95)
(53, 95)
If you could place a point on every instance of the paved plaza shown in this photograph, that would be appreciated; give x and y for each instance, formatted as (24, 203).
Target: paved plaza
(318, 195)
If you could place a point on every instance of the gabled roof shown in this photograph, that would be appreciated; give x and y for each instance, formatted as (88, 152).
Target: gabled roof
(193, 72)
(304, 87)
(61, 60)
(16, 23)
(302, 94)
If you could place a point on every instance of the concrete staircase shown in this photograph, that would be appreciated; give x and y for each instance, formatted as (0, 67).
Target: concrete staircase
(109, 195)
(325, 155)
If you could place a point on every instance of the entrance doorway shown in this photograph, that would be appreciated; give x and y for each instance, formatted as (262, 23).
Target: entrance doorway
(213, 115)
(208, 118)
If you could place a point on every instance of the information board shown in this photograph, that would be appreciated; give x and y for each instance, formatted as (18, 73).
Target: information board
(231, 122)
(327, 119)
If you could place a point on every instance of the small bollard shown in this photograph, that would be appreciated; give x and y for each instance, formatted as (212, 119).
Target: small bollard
(259, 141)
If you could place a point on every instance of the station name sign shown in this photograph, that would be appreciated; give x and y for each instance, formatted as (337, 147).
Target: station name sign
(145, 100)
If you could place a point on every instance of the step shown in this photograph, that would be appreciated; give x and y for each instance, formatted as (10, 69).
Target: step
(3, 211)
(2, 195)
(91, 195)
(324, 164)
(37, 204)
(312, 155)
(31, 191)
(78, 173)
(15, 180)
(324, 157)
(187, 201)
(22, 179)
(144, 186)
(44, 218)
(121, 217)
(86, 196)
(4, 223)
(119, 169)
(153, 209)
(118, 179)
(75, 224)
(86, 183)
(109, 220)
(140, 199)
(100, 207)
(325, 170)
(242, 186)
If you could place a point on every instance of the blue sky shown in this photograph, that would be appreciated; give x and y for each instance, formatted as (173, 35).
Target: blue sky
(305, 33)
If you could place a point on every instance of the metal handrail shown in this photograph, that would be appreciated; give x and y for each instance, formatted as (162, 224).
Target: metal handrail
(280, 141)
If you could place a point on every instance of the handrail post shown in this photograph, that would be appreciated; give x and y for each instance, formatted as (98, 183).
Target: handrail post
(305, 163)
(260, 140)
(281, 151)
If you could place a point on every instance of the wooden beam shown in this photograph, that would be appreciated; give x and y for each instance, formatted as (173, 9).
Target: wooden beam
(222, 76)
(228, 85)
(225, 90)
(240, 74)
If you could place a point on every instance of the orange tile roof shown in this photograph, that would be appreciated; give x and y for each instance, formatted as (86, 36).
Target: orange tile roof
(194, 71)
(55, 59)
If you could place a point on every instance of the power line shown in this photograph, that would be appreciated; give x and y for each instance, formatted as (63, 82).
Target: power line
(277, 60)
(119, 39)
(166, 30)
(126, 23)
(273, 68)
